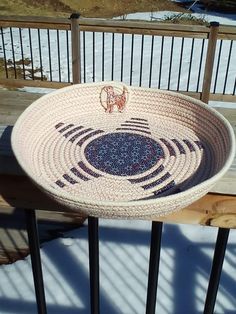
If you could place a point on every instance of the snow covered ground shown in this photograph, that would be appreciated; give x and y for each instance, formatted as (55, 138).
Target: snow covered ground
(229, 19)
(124, 251)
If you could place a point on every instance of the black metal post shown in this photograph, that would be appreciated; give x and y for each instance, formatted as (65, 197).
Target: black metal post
(32, 230)
(155, 249)
(94, 264)
(217, 264)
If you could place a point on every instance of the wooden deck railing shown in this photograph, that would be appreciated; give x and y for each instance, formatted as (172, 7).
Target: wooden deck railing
(184, 58)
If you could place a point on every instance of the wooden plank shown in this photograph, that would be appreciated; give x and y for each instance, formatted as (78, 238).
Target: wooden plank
(13, 235)
(19, 98)
(142, 31)
(19, 192)
(12, 109)
(75, 42)
(8, 120)
(34, 19)
(229, 114)
(227, 32)
(221, 97)
(13, 103)
(35, 22)
(227, 36)
(206, 86)
(211, 210)
(37, 25)
(227, 184)
(32, 83)
(143, 25)
(227, 29)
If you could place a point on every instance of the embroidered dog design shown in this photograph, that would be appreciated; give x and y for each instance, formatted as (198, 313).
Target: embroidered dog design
(113, 99)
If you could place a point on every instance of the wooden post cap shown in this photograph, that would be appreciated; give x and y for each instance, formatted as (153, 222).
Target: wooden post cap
(74, 16)
(214, 24)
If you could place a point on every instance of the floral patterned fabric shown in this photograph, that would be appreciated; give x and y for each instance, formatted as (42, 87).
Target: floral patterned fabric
(123, 154)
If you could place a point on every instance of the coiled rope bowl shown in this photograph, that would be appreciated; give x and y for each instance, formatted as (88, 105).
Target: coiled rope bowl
(113, 151)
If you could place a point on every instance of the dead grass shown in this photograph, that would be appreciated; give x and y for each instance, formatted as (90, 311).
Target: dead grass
(22, 7)
(87, 8)
(17, 71)
(186, 19)
(108, 8)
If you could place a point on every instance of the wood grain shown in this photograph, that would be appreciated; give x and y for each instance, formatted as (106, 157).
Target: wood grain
(75, 42)
(142, 31)
(31, 83)
(35, 22)
(13, 235)
(211, 210)
(211, 48)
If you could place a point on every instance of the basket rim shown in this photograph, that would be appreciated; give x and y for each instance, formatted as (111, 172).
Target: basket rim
(164, 199)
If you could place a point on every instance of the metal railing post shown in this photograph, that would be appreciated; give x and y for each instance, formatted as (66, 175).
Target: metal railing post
(94, 264)
(212, 40)
(218, 259)
(34, 247)
(154, 260)
(75, 48)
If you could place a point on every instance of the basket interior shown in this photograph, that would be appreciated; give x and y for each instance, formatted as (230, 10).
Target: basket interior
(160, 144)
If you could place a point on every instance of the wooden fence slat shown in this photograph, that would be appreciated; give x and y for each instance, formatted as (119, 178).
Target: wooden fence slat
(75, 43)
(142, 31)
(227, 36)
(224, 98)
(143, 24)
(209, 62)
(5, 24)
(34, 19)
(227, 29)
(35, 22)
(32, 83)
